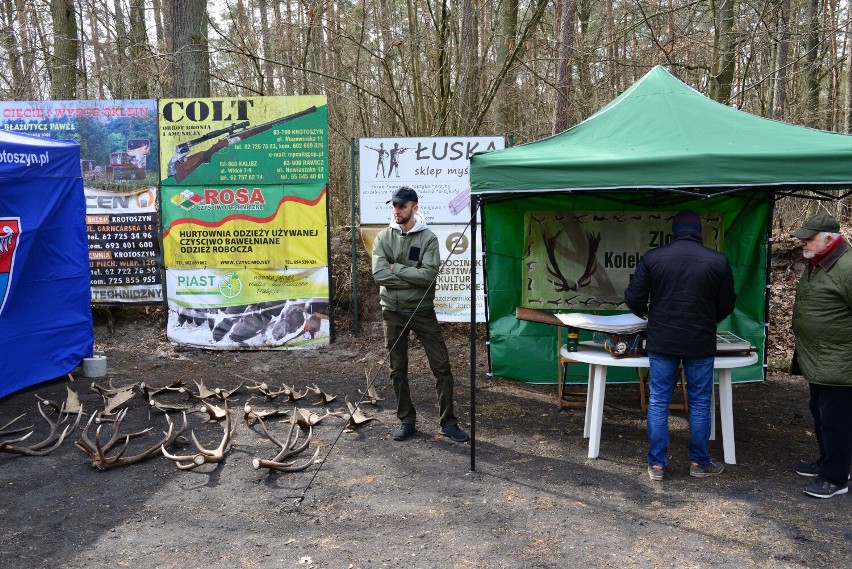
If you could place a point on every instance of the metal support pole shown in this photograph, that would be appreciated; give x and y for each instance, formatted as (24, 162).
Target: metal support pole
(474, 205)
(353, 152)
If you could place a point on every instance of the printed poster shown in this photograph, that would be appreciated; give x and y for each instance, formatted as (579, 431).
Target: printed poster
(437, 168)
(248, 308)
(244, 142)
(124, 246)
(117, 138)
(119, 161)
(245, 224)
(263, 226)
(584, 260)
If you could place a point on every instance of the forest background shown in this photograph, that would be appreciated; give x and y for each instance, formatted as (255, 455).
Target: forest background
(525, 69)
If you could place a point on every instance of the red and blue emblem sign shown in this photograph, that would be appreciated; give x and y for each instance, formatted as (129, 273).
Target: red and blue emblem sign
(10, 229)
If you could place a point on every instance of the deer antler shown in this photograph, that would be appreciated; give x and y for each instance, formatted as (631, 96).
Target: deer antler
(251, 415)
(215, 412)
(356, 418)
(71, 406)
(224, 394)
(292, 394)
(3, 430)
(203, 391)
(46, 446)
(267, 392)
(167, 407)
(114, 397)
(371, 396)
(150, 392)
(326, 398)
(97, 451)
(205, 456)
(288, 448)
(307, 419)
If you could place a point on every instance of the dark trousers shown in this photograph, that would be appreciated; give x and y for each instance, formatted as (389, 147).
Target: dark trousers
(831, 407)
(425, 325)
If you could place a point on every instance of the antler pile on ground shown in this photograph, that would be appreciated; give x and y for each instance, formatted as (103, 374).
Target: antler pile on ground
(108, 447)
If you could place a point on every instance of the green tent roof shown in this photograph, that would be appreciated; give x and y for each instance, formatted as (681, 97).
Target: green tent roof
(661, 133)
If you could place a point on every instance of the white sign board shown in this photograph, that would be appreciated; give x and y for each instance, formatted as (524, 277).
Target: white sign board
(437, 168)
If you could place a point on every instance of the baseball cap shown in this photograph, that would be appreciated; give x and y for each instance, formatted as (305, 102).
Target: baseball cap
(817, 224)
(403, 195)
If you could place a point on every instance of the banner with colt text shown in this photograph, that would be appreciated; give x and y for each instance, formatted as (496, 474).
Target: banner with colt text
(244, 142)
(245, 221)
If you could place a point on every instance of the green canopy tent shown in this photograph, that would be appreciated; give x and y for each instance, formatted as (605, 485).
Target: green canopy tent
(659, 147)
(662, 134)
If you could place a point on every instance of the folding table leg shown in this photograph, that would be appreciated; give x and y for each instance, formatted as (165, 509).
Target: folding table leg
(597, 410)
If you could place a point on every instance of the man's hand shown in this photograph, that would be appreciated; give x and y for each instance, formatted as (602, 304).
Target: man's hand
(391, 266)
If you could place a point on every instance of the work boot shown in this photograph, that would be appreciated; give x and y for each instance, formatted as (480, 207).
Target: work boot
(403, 431)
(455, 433)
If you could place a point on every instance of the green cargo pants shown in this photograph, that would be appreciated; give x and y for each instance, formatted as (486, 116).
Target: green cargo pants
(424, 323)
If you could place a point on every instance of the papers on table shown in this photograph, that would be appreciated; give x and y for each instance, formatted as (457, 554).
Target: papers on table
(728, 342)
(615, 324)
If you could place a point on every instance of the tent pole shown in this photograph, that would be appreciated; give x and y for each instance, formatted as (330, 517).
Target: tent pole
(353, 209)
(474, 205)
(768, 288)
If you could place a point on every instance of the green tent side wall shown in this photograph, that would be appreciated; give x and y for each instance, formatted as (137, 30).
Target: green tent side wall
(528, 351)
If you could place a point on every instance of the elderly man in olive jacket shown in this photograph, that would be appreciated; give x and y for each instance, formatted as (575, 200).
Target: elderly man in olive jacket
(406, 261)
(822, 324)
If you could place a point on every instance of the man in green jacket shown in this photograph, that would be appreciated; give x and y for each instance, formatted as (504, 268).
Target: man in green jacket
(406, 261)
(822, 324)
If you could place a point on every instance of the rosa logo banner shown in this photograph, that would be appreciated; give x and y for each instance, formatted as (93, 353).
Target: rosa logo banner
(245, 222)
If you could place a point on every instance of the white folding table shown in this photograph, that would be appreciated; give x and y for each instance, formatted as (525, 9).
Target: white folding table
(600, 360)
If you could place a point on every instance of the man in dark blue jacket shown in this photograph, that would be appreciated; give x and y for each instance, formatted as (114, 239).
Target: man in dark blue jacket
(684, 290)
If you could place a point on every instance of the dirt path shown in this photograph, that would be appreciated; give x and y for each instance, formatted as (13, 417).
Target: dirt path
(534, 499)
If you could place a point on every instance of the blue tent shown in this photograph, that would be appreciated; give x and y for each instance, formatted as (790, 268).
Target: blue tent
(45, 310)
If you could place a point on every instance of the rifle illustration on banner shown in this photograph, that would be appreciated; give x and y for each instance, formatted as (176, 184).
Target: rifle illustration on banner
(182, 164)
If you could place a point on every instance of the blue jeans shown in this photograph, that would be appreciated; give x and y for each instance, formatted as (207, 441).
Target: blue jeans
(699, 388)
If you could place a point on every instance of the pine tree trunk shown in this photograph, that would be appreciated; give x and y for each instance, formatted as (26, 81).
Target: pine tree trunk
(192, 61)
(63, 83)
